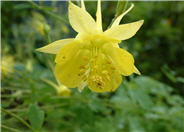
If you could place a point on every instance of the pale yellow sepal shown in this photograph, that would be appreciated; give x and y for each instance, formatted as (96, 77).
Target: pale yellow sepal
(136, 71)
(54, 47)
(118, 19)
(99, 16)
(124, 31)
(80, 20)
(83, 5)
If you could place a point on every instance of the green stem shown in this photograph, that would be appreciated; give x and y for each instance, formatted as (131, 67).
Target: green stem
(9, 128)
(18, 118)
(50, 62)
(43, 107)
(121, 7)
(48, 37)
(48, 12)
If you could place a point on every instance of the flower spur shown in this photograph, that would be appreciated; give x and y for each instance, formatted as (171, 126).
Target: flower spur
(93, 58)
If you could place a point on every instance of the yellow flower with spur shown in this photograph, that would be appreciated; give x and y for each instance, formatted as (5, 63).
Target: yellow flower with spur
(93, 57)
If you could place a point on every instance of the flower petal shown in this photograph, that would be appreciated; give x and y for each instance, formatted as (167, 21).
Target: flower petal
(99, 16)
(124, 31)
(103, 77)
(80, 20)
(72, 72)
(118, 19)
(67, 52)
(122, 59)
(136, 71)
(54, 47)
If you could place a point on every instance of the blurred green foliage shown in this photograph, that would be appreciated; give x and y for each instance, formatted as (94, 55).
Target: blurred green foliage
(152, 102)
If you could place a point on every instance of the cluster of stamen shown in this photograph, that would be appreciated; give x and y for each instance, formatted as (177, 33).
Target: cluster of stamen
(97, 80)
(106, 75)
(82, 72)
(95, 67)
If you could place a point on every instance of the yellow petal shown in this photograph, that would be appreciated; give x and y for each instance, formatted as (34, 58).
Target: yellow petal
(124, 31)
(99, 16)
(136, 71)
(54, 47)
(71, 70)
(122, 59)
(67, 52)
(118, 19)
(103, 76)
(80, 20)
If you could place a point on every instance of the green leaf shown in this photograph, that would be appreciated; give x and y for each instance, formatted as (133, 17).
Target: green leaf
(35, 116)
(138, 95)
(135, 125)
(153, 86)
(180, 79)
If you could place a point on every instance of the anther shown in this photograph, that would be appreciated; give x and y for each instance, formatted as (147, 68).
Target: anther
(108, 78)
(113, 68)
(82, 71)
(82, 67)
(92, 60)
(84, 78)
(108, 62)
(85, 58)
(95, 67)
(105, 72)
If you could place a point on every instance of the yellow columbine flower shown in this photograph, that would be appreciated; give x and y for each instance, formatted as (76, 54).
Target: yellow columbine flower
(93, 58)
(7, 65)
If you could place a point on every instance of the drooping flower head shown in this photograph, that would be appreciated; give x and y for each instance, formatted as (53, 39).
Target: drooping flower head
(93, 58)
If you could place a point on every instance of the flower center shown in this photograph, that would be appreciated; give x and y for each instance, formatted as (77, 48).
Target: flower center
(99, 66)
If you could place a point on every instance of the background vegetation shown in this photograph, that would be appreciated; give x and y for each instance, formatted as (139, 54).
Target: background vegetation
(152, 102)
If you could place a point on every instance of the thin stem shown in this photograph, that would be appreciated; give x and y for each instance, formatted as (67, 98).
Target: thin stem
(18, 118)
(43, 107)
(47, 12)
(48, 37)
(121, 7)
(9, 128)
